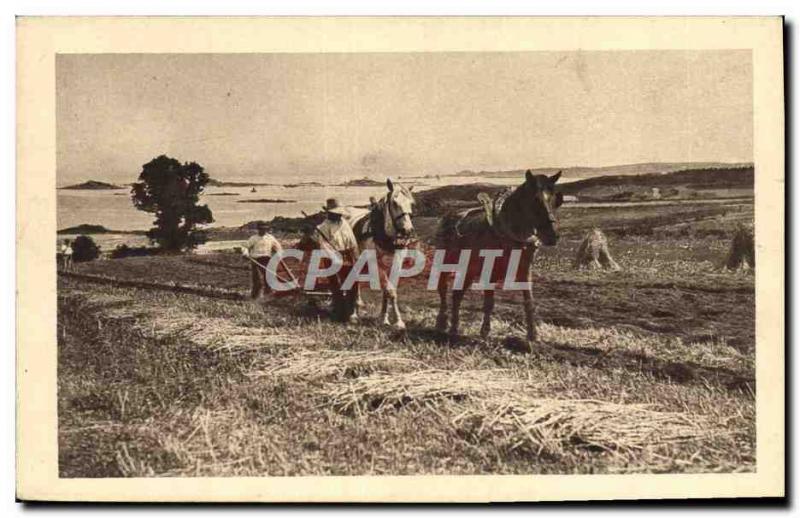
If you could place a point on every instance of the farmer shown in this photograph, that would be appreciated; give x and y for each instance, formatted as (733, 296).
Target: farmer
(259, 249)
(65, 253)
(336, 234)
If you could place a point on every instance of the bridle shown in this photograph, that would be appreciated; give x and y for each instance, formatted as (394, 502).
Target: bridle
(394, 218)
(390, 231)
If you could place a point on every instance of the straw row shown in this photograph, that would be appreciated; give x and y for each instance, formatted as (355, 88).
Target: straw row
(327, 363)
(553, 425)
(491, 403)
(380, 391)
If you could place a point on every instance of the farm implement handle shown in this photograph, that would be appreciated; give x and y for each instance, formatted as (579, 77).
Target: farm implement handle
(267, 270)
(293, 278)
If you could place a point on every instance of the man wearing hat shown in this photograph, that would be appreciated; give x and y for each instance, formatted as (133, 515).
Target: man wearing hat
(259, 249)
(338, 235)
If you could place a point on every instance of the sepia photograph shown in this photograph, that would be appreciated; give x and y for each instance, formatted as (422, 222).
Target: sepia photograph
(408, 263)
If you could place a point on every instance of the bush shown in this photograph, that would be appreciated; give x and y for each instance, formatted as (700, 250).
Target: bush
(84, 249)
(122, 251)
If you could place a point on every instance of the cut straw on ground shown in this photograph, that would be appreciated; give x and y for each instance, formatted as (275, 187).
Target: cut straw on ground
(555, 426)
(380, 391)
(327, 363)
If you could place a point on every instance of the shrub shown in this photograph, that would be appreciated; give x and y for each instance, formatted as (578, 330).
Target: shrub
(84, 249)
(123, 250)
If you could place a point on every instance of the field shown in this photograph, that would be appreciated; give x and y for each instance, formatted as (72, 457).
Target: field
(650, 369)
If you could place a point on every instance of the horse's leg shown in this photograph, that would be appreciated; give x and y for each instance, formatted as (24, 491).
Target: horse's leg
(458, 296)
(384, 315)
(398, 321)
(525, 273)
(488, 307)
(352, 300)
(441, 318)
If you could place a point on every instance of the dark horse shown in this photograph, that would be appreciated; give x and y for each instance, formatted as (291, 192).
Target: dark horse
(517, 220)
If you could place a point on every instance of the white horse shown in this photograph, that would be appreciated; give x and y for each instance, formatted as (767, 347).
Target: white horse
(386, 227)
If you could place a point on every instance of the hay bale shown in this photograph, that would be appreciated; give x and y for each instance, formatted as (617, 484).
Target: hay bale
(594, 253)
(742, 252)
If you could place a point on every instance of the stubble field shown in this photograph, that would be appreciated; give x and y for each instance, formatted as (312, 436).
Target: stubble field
(650, 369)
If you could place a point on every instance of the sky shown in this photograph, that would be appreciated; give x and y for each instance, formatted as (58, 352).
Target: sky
(339, 116)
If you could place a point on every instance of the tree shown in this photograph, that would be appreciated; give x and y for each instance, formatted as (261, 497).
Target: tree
(171, 190)
(84, 249)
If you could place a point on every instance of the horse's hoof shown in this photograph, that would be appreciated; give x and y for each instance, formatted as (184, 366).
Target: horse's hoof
(441, 325)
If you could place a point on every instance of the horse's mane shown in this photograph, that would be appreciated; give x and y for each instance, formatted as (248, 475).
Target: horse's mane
(373, 226)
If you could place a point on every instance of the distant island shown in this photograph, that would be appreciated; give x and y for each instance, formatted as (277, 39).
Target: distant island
(220, 183)
(88, 228)
(223, 194)
(93, 185)
(266, 200)
(303, 184)
(362, 182)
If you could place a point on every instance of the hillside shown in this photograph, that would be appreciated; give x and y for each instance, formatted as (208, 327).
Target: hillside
(93, 185)
(579, 172)
(684, 184)
(692, 183)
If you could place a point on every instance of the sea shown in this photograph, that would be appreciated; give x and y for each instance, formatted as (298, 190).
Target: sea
(114, 210)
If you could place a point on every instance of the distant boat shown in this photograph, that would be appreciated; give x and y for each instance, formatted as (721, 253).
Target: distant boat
(253, 190)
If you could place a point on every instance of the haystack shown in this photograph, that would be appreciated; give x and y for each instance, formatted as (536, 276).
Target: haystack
(742, 253)
(594, 253)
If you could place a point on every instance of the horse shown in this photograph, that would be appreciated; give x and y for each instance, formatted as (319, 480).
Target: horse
(386, 227)
(518, 220)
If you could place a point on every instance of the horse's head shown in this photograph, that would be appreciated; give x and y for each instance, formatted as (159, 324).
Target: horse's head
(398, 208)
(541, 202)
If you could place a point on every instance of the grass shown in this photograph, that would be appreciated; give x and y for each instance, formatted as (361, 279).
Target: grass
(646, 370)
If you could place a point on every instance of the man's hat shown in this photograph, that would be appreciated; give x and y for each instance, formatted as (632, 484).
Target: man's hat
(262, 224)
(332, 205)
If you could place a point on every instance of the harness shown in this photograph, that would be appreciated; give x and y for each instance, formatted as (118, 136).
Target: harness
(380, 217)
(492, 208)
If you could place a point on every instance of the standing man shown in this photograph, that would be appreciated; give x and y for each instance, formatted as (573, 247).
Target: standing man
(337, 234)
(66, 254)
(259, 249)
